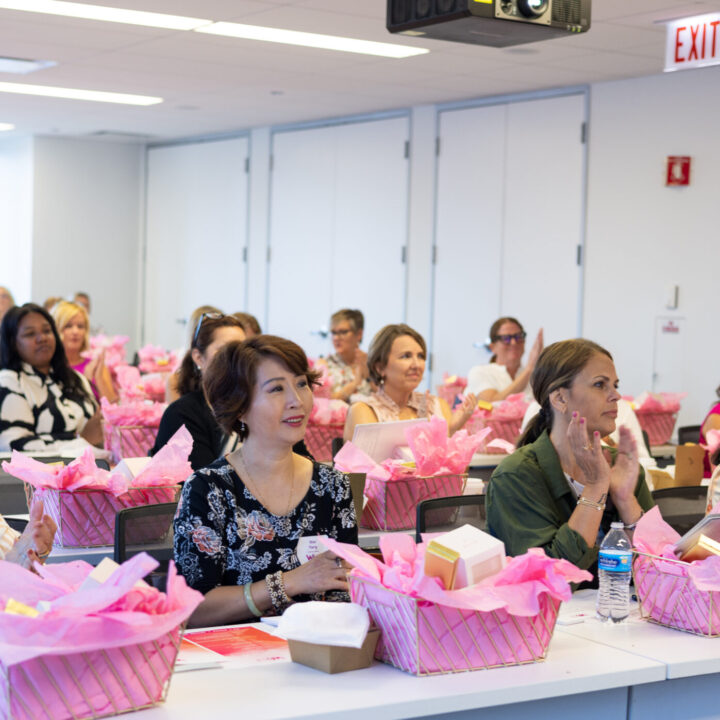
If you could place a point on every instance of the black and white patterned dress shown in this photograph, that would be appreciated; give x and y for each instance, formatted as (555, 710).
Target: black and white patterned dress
(224, 536)
(36, 413)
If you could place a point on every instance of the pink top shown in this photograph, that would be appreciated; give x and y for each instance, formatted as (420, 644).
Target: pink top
(80, 369)
(387, 410)
(714, 410)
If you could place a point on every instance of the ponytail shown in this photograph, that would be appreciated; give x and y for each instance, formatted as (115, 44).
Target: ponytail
(540, 422)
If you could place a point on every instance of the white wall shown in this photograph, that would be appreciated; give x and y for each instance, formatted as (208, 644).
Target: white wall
(643, 237)
(86, 227)
(16, 177)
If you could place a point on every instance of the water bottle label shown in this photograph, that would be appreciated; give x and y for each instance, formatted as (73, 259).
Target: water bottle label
(615, 561)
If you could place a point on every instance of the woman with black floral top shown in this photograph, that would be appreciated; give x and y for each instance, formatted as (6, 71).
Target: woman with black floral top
(240, 518)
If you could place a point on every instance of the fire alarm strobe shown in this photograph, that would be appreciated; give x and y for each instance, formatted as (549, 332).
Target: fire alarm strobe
(498, 23)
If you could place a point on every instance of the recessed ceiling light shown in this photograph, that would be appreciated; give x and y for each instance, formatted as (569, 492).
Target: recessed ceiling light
(6, 126)
(75, 94)
(314, 40)
(21, 66)
(106, 14)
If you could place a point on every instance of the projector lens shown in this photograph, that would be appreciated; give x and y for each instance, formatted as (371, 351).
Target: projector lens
(532, 8)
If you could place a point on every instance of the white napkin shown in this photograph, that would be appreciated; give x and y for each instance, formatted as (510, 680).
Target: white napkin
(325, 623)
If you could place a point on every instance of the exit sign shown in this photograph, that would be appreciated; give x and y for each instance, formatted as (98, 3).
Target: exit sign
(692, 42)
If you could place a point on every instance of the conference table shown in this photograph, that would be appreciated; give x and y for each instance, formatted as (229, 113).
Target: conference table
(592, 671)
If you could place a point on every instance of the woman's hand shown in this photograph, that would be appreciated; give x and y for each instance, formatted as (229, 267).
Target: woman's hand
(93, 430)
(588, 456)
(42, 529)
(535, 351)
(624, 473)
(324, 572)
(103, 379)
(462, 412)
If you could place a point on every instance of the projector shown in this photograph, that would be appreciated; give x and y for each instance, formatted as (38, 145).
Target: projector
(497, 23)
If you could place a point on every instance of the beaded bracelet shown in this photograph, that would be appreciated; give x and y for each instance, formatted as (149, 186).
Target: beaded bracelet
(276, 588)
(252, 607)
(599, 506)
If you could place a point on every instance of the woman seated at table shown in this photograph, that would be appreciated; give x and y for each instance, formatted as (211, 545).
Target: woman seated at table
(504, 376)
(43, 401)
(561, 490)
(240, 518)
(191, 409)
(347, 367)
(396, 362)
(196, 318)
(73, 325)
(40, 531)
(711, 422)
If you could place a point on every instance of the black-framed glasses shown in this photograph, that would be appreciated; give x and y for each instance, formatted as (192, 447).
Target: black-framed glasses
(340, 333)
(213, 315)
(507, 339)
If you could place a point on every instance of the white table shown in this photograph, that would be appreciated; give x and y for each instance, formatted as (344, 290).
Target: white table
(571, 683)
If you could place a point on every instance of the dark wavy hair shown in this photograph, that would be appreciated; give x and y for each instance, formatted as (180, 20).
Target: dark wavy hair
(59, 368)
(189, 378)
(229, 381)
(557, 367)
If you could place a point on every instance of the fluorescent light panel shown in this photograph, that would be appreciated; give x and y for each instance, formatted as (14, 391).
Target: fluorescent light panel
(6, 126)
(227, 29)
(105, 14)
(75, 94)
(314, 40)
(19, 66)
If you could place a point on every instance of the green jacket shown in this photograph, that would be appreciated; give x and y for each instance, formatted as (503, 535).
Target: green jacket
(529, 502)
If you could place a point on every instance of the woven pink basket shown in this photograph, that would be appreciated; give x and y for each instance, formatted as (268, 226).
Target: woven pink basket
(89, 684)
(391, 504)
(504, 429)
(667, 596)
(448, 392)
(658, 425)
(86, 518)
(125, 441)
(424, 638)
(319, 437)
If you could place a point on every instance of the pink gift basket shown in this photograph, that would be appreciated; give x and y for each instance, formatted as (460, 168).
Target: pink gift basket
(657, 414)
(391, 504)
(95, 654)
(86, 518)
(83, 499)
(684, 596)
(451, 387)
(507, 619)
(131, 428)
(504, 421)
(394, 488)
(327, 421)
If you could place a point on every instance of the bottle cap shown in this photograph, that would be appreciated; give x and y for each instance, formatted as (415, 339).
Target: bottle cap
(617, 525)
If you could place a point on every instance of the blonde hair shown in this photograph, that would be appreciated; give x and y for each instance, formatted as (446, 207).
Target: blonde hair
(64, 311)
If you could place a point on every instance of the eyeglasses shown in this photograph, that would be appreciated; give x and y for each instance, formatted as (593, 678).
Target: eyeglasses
(507, 339)
(340, 333)
(213, 315)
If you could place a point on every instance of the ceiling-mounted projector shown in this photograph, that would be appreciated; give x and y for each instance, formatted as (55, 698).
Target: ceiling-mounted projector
(498, 23)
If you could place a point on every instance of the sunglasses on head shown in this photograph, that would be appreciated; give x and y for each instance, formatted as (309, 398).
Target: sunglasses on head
(213, 315)
(507, 339)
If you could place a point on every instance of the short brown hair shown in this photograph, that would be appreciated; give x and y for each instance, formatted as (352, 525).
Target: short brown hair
(495, 329)
(229, 381)
(354, 317)
(250, 323)
(381, 344)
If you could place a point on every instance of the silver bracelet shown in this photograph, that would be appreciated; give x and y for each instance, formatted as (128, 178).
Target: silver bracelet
(599, 506)
(276, 588)
(632, 526)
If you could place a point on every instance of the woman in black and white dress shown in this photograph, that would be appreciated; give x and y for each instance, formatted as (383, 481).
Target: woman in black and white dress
(43, 401)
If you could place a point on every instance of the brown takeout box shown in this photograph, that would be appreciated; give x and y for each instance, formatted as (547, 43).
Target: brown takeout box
(689, 464)
(334, 658)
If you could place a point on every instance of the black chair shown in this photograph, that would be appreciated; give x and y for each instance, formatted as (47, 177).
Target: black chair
(448, 513)
(336, 446)
(148, 528)
(689, 434)
(682, 507)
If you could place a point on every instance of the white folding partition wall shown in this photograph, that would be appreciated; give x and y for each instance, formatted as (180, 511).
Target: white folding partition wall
(509, 220)
(196, 232)
(338, 225)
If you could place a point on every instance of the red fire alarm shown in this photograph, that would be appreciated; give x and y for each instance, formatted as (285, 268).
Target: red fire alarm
(678, 170)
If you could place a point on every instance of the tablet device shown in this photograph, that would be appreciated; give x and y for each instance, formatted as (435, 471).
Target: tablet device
(708, 526)
(378, 440)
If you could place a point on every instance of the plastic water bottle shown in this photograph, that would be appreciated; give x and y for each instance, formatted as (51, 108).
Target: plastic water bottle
(614, 573)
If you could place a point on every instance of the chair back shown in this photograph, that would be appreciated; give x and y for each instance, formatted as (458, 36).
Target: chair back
(682, 507)
(148, 528)
(688, 434)
(448, 513)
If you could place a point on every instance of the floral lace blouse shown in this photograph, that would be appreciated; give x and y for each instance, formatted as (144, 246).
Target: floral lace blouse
(224, 536)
